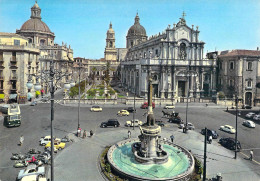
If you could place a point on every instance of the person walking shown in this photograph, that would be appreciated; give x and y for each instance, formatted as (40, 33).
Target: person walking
(21, 140)
(172, 138)
(84, 134)
(79, 131)
(251, 155)
(129, 134)
(210, 139)
(91, 133)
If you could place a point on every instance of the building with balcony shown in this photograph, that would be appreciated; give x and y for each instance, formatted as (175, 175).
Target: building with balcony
(17, 59)
(163, 56)
(238, 74)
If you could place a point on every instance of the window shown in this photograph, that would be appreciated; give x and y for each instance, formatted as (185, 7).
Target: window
(144, 54)
(220, 81)
(231, 65)
(17, 42)
(137, 74)
(230, 82)
(249, 84)
(156, 52)
(110, 44)
(42, 42)
(249, 65)
(220, 65)
(30, 40)
(132, 43)
(183, 53)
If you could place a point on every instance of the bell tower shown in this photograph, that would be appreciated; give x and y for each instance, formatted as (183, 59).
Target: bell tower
(110, 50)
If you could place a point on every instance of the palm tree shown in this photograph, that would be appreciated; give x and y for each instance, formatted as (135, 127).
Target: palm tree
(93, 76)
(106, 70)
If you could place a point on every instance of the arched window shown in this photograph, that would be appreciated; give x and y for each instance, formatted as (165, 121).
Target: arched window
(183, 53)
(42, 42)
(110, 44)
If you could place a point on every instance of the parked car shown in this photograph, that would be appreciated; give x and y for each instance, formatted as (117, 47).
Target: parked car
(228, 129)
(45, 140)
(31, 169)
(57, 144)
(177, 120)
(45, 99)
(96, 109)
(34, 103)
(123, 113)
(34, 178)
(246, 106)
(136, 122)
(110, 122)
(250, 115)
(145, 105)
(131, 109)
(256, 117)
(230, 143)
(249, 124)
(169, 106)
(190, 126)
(4, 108)
(210, 132)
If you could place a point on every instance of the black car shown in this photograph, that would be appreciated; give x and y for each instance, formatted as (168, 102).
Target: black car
(110, 122)
(176, 120)
(131, 109)
(230, 143)
(212, 133)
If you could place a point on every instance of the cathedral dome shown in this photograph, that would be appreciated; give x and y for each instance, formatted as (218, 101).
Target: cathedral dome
(35, 25)
(137, 28)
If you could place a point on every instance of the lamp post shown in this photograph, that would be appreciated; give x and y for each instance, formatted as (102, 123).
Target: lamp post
(49, 77)
(134, 111)
(187, 73)
(236, 127)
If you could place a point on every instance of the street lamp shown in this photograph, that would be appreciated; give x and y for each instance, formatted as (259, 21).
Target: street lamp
(49, 76)
(79, 67)
(187, 73)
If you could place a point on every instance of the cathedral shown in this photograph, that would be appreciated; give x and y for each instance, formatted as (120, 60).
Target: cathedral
(173, 59)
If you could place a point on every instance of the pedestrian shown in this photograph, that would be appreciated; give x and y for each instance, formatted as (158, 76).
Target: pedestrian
(251, 155)
(172, 138)
(129, 134)
(227, 109)
(210, 139)
(84, 134)
(91, 133)
(21, 140)
(79, 131)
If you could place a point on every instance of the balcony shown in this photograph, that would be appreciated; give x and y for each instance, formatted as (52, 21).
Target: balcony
(13, 77)
(13, 61)
(13, 66)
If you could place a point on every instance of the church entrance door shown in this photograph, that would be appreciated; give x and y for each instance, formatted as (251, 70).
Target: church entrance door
(181, 88)
(155, 90)
(248, 98)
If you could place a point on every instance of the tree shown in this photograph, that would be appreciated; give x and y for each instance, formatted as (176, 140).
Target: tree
(93, 76)
(106, 70)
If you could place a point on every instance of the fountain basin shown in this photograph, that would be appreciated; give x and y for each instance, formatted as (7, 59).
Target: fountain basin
(179, 166)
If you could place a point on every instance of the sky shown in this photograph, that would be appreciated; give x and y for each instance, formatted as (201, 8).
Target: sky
(223, 24)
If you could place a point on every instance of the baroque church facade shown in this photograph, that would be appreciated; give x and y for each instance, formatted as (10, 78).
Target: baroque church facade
(164, 57)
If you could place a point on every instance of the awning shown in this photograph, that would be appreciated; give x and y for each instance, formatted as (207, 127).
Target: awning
(12, 96)
(2, 96)
(29, 95)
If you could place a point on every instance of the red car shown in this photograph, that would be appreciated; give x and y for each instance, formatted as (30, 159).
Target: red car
(145, 105)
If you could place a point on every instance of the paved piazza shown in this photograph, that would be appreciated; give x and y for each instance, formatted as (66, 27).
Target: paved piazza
(36, 123)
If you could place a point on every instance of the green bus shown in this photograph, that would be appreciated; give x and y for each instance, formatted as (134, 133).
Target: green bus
(13, 117)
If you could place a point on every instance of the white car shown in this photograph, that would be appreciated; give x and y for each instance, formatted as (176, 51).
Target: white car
(169, 106)
(190, 126)
(228, 129)
(34, 178)
(250, 115)
(31, 170)
(45, 140)
(96, 109)
(249, 124)
(256, 117)
(136, 123)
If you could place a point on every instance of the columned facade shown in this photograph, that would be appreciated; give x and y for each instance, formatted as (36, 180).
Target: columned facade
(163, 56)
